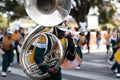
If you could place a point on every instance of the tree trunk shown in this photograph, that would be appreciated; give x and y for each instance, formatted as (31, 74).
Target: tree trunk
(80, 11)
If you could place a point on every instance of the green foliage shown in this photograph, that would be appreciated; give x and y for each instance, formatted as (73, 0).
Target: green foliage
(3, 22)
(111, 13)
(20, 10)
(102, 18)
(104, 28)
(109, 26)
(10, 5)
(78, 12)
(119, 1)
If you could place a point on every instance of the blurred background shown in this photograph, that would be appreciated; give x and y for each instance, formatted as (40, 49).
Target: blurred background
(92, 15)
(103, 13)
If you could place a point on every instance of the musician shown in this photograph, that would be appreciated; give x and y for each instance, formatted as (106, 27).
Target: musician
(42, 46)
(113, 40)
(66, 39)
(6, 45)
(17, 37)
(108, 41)
(116, 65)
(88, 41)
(71, 59)
(80, 42)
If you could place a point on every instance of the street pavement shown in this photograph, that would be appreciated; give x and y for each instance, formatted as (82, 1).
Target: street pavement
(93, 67)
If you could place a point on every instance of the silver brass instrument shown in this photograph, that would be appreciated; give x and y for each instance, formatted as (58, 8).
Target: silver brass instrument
(31, 69)
(48, 12)
(45, 13)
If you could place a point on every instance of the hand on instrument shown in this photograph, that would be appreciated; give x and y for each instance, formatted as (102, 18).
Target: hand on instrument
(52, 70)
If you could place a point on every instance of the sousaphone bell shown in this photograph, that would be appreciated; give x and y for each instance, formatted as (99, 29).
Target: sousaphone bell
(48, 12)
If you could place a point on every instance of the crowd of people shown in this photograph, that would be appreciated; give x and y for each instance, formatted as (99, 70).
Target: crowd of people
(72, 42)
(113, 40)
(71, 50)
(10, 41)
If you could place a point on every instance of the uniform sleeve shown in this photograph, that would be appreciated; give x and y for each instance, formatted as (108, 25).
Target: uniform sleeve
(42, 47)
(39, 58)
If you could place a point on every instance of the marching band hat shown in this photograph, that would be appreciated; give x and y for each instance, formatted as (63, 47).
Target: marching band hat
(9, 31)
(81, 30)
(17, 28)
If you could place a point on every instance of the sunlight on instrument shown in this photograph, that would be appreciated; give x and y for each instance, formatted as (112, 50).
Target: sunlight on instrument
(45, 13)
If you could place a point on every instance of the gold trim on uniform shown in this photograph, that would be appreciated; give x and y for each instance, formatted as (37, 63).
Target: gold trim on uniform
(7, 43)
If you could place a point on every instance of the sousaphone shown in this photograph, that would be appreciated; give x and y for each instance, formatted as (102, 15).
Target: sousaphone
(46, 13)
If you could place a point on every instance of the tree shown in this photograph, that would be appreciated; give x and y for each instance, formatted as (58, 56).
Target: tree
(3, 21)
(80, 10)
(20, 10)
(10, 5)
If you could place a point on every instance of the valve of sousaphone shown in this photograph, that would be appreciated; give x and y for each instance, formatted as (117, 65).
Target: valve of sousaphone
(48, 12)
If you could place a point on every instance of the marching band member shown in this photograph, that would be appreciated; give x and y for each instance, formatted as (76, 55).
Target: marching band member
(114, 45)
(108, 40)
(17, 37)
(88, 41)
(80, 42)
(7, 45)
(68, 46)
(45, 46)
(115, 40)
(116, 65)
(72, 57)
